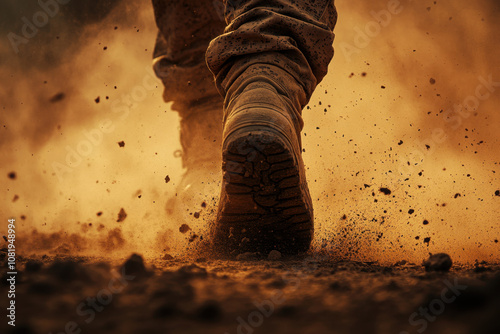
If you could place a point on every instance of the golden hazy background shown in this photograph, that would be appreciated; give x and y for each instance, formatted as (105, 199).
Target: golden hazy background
(392, 159)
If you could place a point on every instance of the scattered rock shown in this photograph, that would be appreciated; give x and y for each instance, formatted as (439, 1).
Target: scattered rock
(134, 265)
(184, 228)
(12, 175)
(167, 179)
(274, 255)
(438, 262)
(385, 191)
(481, 269)
(121, 215)
(121, 143)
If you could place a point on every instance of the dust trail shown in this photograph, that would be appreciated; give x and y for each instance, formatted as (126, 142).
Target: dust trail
(79, 87)
(392, 88)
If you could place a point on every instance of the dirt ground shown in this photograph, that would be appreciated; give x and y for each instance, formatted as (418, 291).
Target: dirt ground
(307, 294)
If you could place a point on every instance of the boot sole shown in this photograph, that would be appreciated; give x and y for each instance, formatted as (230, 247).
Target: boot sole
(265, 203)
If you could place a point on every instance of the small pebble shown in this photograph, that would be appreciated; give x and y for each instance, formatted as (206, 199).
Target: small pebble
(274, 255)
(134, 265)
(438, 262)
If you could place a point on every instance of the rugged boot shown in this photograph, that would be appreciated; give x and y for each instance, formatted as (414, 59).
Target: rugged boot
(264, 202)
(200, 137)
(185, 29)
(266, 65)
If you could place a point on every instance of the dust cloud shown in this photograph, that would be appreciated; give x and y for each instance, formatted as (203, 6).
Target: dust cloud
(388, 116)
(86, 132)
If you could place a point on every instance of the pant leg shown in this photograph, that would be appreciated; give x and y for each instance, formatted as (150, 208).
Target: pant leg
(294, 35)
(185, 29)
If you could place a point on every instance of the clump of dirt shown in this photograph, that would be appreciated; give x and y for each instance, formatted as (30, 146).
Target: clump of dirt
(438, 262)
(274, 255)
(121, 215)
(385, 191)
(135, 266)
(184, 228)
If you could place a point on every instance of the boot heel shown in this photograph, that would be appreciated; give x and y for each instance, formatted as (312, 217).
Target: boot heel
(265, 203)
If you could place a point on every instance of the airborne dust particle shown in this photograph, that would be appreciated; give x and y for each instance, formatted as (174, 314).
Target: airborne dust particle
(121, 215)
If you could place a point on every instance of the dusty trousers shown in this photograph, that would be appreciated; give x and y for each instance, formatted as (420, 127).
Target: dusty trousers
(295, 35)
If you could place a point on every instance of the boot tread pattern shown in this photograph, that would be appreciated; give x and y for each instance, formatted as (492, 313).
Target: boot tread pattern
(264, 200)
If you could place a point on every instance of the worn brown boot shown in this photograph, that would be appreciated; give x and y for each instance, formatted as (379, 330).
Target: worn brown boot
(185, 29)
(200, 137)
(265, 202)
